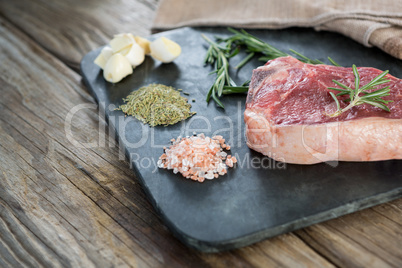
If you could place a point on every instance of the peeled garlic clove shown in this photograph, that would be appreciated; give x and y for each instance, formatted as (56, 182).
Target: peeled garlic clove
(126, 35)
(164, 50)
(103, 57)
(121, 42)
(116, 68)
(135, 55)
(125, 50)
(144, 43)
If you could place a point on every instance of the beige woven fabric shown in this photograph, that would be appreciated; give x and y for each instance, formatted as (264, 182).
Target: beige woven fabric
(370, 22)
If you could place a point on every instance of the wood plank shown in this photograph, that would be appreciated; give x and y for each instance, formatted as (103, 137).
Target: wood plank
(70, 29)
(369, 238)
(62, 205)
(283, 251)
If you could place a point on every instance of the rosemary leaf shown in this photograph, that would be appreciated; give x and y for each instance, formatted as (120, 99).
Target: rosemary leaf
(246, 83)
(217, 100)
(333, 62)
(341, 85)
(306, 59)
(245, 60)
(378, 104)
(357, 79)
(234, 90)
(378, 93)
(338, 106)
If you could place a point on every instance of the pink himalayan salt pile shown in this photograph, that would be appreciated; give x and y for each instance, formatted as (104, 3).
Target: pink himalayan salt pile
(197, 157)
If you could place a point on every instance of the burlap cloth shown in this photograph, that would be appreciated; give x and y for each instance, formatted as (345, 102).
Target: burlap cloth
(370, 22)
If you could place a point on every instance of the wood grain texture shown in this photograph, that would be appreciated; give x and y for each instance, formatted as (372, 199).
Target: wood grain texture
(372, 236)
(70, 29)
(66, 206)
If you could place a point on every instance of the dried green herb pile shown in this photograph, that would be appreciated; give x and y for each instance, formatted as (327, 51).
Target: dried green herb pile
(157, 104)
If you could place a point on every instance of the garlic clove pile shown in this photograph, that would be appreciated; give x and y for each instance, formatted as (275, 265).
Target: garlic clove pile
(165, 50)
(126, 51)
(116, 68)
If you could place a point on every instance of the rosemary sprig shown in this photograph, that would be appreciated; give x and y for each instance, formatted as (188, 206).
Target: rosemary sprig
(218, 56)
(256, 45)
(360, 95)
(220, 52)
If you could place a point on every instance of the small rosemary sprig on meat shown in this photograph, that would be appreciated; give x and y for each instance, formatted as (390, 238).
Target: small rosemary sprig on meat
(360, 95)
(220, 52)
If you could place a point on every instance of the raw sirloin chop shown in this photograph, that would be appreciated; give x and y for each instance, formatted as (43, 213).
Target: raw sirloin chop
(287, 115)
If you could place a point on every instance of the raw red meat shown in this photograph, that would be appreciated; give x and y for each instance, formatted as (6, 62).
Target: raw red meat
(287, 115)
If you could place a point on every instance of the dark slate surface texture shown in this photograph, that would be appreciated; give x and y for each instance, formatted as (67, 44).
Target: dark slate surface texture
(260, 198)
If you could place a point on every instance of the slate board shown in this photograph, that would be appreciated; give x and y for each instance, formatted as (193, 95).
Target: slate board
(260, 198)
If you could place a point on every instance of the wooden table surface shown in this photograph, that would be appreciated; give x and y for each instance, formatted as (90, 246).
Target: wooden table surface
(64, 206)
